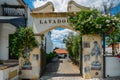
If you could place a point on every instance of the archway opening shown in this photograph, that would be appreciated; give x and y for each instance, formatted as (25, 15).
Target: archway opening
(57, 54)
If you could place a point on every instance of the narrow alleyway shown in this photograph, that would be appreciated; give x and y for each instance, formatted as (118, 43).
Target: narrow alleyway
(61, 69)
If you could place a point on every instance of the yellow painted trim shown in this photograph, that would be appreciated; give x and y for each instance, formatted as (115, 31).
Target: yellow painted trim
(52, 14)
(12, 74)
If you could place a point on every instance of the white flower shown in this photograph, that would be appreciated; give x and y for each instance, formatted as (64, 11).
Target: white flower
(104, 14)
(107, 21)
(100, 26)
(108, 25)
(113, 23)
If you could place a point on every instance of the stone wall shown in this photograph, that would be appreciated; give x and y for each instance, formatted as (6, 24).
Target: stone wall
(92, 56)
(34, 71)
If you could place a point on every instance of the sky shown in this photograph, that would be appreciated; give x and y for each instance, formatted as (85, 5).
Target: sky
(57, 36)
(61, 6)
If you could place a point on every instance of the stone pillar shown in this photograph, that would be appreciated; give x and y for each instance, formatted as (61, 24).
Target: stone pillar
(33, 72)
(92, 56)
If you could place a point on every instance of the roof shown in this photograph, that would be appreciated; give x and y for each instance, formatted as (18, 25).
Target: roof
(116, 45)
(22, 2)
(61, 51)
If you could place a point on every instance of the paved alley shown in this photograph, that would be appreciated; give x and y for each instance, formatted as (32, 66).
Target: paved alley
(61, 69)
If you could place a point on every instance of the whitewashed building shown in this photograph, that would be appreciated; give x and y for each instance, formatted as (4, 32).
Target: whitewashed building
(13, 14)
(116, 49)
(49, 44)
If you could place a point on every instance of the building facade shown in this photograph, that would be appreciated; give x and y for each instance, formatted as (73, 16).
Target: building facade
(13, 14)
(49, 44)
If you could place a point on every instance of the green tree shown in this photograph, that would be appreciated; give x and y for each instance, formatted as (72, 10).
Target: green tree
(22, 40)
(69, 42)
(113, 38)
(76, 46)
(73, 45)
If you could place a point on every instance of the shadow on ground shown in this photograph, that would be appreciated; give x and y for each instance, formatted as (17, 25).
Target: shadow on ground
(52, 70)
(53, 66)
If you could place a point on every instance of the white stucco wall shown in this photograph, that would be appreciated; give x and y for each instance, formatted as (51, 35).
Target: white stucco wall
(5, 30)
(29, 20)
(112, 66)
(116, 50)
(49, 44)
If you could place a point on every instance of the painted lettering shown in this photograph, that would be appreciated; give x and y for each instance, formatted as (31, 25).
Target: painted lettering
(59, 21)
(53, 21)
(49, 21)
(63, 21)
(41, 22)
(45, 22)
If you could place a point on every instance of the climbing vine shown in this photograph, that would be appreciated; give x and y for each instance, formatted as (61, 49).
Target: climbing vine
(93, 22)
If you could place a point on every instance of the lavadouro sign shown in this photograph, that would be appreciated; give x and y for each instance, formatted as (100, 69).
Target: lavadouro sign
(53, 21)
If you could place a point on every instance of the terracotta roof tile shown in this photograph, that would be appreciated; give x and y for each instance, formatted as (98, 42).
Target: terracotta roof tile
(61, 51)
(115, 45)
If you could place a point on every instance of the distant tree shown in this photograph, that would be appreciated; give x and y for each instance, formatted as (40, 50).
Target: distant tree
(69, 43)
(73, 45)
(107, 6)
(76, 46)
(56, 48)
(113, 38)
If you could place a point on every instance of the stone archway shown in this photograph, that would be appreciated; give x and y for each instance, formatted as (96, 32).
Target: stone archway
(43, 22)
(44, 18)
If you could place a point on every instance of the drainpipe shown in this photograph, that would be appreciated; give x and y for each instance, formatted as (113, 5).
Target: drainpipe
(81, 58)
(104, 61)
